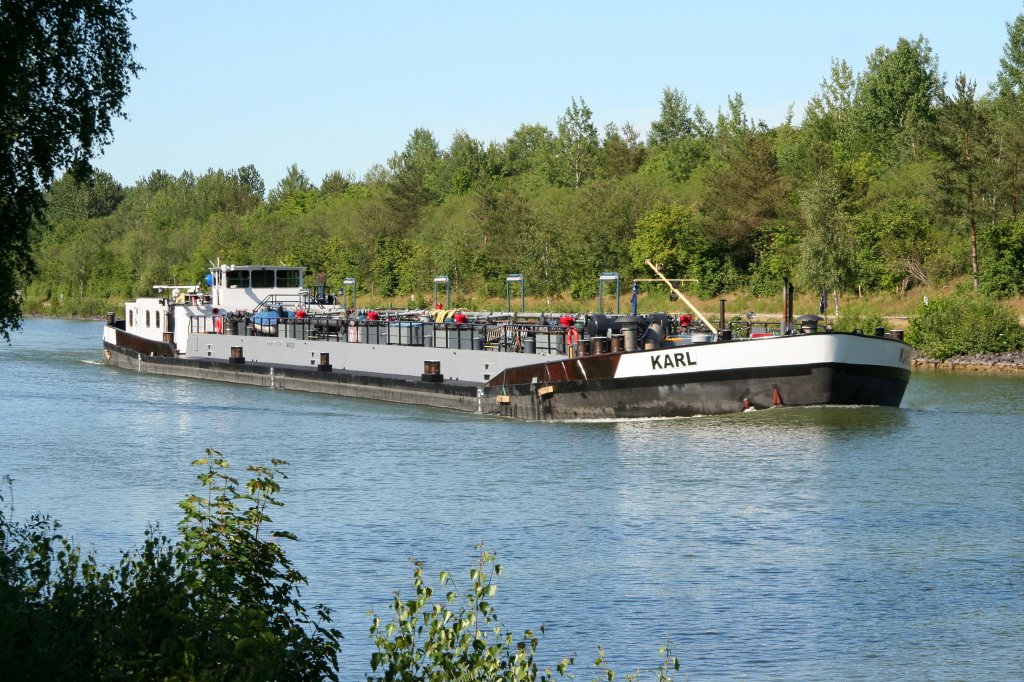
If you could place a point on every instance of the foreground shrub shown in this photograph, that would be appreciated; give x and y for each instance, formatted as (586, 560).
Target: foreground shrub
(222, 603)
(459, 637)
(858, 317)
(964, 324)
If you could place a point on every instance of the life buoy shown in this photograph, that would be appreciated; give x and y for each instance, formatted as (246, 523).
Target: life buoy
(572, 335)
(218, 324)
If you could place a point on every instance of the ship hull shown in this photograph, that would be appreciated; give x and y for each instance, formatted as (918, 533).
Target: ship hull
(712, 393)
(713, 378)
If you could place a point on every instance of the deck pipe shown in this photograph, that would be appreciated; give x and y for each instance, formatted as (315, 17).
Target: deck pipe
(724, 333)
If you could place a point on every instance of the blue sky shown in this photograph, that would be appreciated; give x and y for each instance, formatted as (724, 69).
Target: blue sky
(342, 85)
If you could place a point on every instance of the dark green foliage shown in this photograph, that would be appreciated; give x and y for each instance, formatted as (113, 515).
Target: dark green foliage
(529, 152)
(776, 250)
(895, 231)
(415, 182)
(461, 166)
(1002, 248)
(964, 324)
(64, 74)
(221, 603)
(388, 259)
(744, 183)
(622, 153)
(335, 183)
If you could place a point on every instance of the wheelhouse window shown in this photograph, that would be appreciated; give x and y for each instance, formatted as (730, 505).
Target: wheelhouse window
(262, 279)
(158, 319)
(238, 279)
(131, 318)
(287, 279)
(147, 318)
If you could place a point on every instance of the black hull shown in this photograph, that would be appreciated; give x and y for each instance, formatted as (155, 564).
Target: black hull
(705, 394)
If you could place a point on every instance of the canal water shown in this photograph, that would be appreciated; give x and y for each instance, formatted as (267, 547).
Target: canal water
(812, 543)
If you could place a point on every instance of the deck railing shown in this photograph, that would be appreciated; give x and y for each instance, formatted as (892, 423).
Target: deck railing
(503, 337)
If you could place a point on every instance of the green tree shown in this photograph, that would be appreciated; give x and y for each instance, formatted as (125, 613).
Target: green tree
(745, 185)
(835, 98)
(825, 131)
(1003, 250)
(776, 255)
(219, 191)
(334, 183)
(461, 166)
(511, 238)
(453, 234)
(578, 144)
(672, 237)
(414, 182)
(962, 141)
(70, 199)
(669, 236)
(1009, 117)
(674, 123)
(250, 179)
(388, 260)
(593, 226)
(679, 140)
(529, 151)
(294, 193)
(894, 106)
(1010, 79)
(622, 153)
(65, 69)
(827, 254)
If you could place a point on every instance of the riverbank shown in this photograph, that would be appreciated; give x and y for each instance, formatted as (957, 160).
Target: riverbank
(982, 363)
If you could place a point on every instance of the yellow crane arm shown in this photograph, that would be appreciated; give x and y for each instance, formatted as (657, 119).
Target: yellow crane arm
(678, 293)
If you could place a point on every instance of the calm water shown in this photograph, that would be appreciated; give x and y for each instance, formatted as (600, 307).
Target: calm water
(844, 543)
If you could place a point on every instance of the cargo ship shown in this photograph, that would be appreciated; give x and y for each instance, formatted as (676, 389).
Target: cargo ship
(260, 325)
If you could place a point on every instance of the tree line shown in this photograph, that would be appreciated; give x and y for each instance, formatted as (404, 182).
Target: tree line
(894, 178)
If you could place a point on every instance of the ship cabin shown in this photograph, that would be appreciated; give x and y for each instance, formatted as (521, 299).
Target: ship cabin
(232, 288)
(246, 287)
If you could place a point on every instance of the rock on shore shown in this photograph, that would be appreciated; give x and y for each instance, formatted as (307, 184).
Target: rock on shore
(1007, 363)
